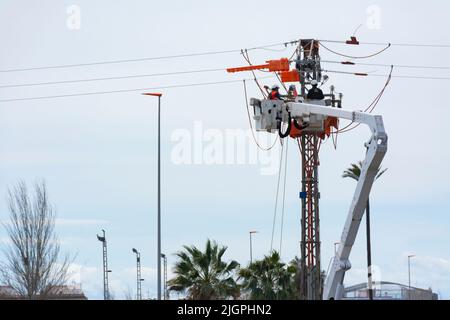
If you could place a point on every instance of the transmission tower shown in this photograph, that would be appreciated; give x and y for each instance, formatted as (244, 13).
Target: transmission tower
(308, 65)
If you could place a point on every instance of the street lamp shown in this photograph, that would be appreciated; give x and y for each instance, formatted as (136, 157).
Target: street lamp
(159, 191)
(166, 296)
(335, 249)
(138, 275)
(251, 253)
(409, 275)
(102, 239)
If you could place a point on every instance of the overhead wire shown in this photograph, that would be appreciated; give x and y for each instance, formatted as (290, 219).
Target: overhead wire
(369, 108)
(356, 57)
(391, 43)
(196, 54)
(276, 197)
(125, 90)
(244, 53)
(186, 55)
(385, 65)
(251, 125)
(284, 196)
(110, 78)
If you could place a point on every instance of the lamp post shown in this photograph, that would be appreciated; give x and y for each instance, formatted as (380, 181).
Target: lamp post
(335, 249)
(165, 295)
(251, 252)
(409, 275)
(102, 239)
(158, 259)
(138, 275)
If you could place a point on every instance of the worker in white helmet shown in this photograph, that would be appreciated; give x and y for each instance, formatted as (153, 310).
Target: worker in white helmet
(274, 93)
(315, 93)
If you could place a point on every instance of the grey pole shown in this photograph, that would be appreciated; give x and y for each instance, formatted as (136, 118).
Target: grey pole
(159, 198)
(251, 258)
(158, 259)
(409, 276)
(251, 247)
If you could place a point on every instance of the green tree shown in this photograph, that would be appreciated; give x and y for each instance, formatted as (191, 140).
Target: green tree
(270, 279)
(204, 275)
(354, 172)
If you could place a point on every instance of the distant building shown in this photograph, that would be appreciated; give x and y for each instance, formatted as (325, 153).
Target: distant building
(384, 290)
(56, 293)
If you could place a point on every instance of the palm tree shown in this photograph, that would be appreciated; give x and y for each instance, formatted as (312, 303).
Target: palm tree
(354, 172)
(269, 279)
(203, 275)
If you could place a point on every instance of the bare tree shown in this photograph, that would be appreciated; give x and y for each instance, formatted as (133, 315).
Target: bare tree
(33, 267)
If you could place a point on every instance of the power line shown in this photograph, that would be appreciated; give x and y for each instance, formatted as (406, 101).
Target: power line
(385, 75)
(186, 55)
(386, 65)
(393, 44)
(109, 78)
(356, 57)
(126, 90)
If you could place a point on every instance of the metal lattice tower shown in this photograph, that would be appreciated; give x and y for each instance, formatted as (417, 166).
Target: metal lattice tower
(105, 265)
(308, 65)
(165, 292)
(138, 277)
(311, 285)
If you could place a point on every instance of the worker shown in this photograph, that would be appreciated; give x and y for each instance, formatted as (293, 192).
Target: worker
(315, 93)
(274, 94)
(292, 92)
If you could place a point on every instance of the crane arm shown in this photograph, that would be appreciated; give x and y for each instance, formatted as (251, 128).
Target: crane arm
(269, 114)
(376, 149)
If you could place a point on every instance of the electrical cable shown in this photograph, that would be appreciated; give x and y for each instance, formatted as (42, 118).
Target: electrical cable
(385, 65)
(264, 47)
(385, 75)
(276, 198)
(251, 125)
(126, 90)
(284, 196)
(371, 106)
(142, 59)
(247, 58)
(392, 44)
(355, 57)
(110, 78)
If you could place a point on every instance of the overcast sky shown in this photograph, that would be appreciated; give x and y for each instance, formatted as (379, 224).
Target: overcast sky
(97, 153)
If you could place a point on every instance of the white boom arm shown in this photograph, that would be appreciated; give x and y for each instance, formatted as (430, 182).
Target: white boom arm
(268, 112)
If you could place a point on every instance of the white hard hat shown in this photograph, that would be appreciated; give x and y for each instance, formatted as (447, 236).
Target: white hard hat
(314, 82)
(275, 86)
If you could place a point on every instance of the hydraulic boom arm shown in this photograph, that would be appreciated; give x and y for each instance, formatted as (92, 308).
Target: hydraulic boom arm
(268, 116)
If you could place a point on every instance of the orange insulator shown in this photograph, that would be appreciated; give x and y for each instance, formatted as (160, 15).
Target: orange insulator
(290, 76)
(272, 65)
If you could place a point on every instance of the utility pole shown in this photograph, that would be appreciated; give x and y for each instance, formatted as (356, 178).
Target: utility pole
(105, 265)
(138, 275)
(308, 66)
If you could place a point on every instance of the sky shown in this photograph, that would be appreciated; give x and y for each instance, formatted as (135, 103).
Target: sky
(98, 153)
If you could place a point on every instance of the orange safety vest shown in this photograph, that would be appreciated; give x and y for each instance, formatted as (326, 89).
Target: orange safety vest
(273, 95)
